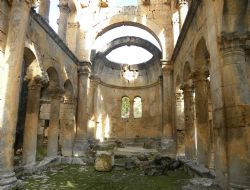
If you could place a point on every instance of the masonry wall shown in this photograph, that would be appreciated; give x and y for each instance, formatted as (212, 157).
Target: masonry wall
(108, 105)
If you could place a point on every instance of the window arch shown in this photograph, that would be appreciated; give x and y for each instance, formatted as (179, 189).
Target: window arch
(137, 107)
(125, 107)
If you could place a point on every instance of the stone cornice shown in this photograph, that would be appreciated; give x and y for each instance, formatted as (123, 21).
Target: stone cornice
(190, 16)
(129, 87)
(40, 20)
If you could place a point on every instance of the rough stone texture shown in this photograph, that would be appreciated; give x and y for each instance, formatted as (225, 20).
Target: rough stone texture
(201, 184)
(104, 161)
(211, 57)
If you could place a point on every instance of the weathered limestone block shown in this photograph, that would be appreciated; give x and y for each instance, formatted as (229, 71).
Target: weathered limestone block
(103, 162)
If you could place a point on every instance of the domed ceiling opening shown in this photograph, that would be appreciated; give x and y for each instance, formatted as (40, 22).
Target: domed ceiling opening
(126, 56)
(129, 55)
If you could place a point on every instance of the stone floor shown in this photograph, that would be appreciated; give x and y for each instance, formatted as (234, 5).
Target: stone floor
(85, 177)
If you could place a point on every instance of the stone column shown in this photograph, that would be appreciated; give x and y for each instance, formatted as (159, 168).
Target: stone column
(82, 111)
(63, 19)
(10, 88)
(31, 122)
(190, 152)
(44, 9)
(183, 10)
(67, 124)
(176, 27)
(237, 110)
(73, 30)
(53, 130)
(92, 103)
(179, 123)
(202, 122)
(168, 133)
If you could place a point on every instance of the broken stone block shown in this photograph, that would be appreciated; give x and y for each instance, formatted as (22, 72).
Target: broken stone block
(103, 161)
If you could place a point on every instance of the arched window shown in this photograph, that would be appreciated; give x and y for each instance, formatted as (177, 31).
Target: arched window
(137, 107)
(125, 109)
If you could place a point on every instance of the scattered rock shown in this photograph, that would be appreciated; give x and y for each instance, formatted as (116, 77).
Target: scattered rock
(119, 144)
(104, 161)
(142, 157)
(149, 144)
(201, 184)
(154, 171)
(130, 164)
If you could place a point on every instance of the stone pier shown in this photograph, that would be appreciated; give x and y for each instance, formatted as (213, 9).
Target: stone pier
(81, 143)
(10, 88)
(53, 130)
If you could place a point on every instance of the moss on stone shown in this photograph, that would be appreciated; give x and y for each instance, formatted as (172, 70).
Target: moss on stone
(85, 177)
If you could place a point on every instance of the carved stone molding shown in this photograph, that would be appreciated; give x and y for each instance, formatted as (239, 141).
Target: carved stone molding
(64, 6)
(73, 24)
(233, 41)
(182, 2)
(83, 70)
(199, 76)
(167, 68)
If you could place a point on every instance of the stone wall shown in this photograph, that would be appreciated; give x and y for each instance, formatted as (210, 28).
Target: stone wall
(156, 17)
(109, 106)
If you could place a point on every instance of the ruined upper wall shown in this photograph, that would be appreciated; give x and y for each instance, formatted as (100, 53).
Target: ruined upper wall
(93, 19)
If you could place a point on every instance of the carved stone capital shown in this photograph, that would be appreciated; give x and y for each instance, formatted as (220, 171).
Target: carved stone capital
(30, 3)
(64, 6)
(95, 81)
(73, 24)
(199, 76)
(167, 68)
(37, 81)
(68, 100)
(55, 92)
(83, 70)
(187, 88)
(182, 2)
(233, 41)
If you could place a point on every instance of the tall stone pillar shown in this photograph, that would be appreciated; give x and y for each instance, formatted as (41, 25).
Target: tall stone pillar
(82, 111)
(183, 10)
(176, 27)
(179, 123)
(92, 103)
(237, 109)
(63, 19)
(53, 130)
(44, 9)
(168, 133)
(190, 152)
(202, 117)
(73, 30)
(10, 88)
(31, 121)
(67, 124)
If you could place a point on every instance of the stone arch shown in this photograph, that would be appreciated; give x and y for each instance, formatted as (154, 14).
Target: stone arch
(68, 89)
(53, 77)
(154, 32)
(187, 72)
(201, 56)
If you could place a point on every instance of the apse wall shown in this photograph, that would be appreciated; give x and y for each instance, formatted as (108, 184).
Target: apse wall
(108, 105)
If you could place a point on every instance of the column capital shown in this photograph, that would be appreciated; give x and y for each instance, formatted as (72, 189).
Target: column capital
(55, 92)
(187, 88)
(167, 68)
(83, 70)
(199, 76)
(232, 41)
(73, 24)
(37, 81)
(182, 2)
(64, 6)
(68, 100)
(30, 3)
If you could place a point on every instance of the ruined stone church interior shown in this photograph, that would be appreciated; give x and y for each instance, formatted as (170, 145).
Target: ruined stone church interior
(125, 94)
